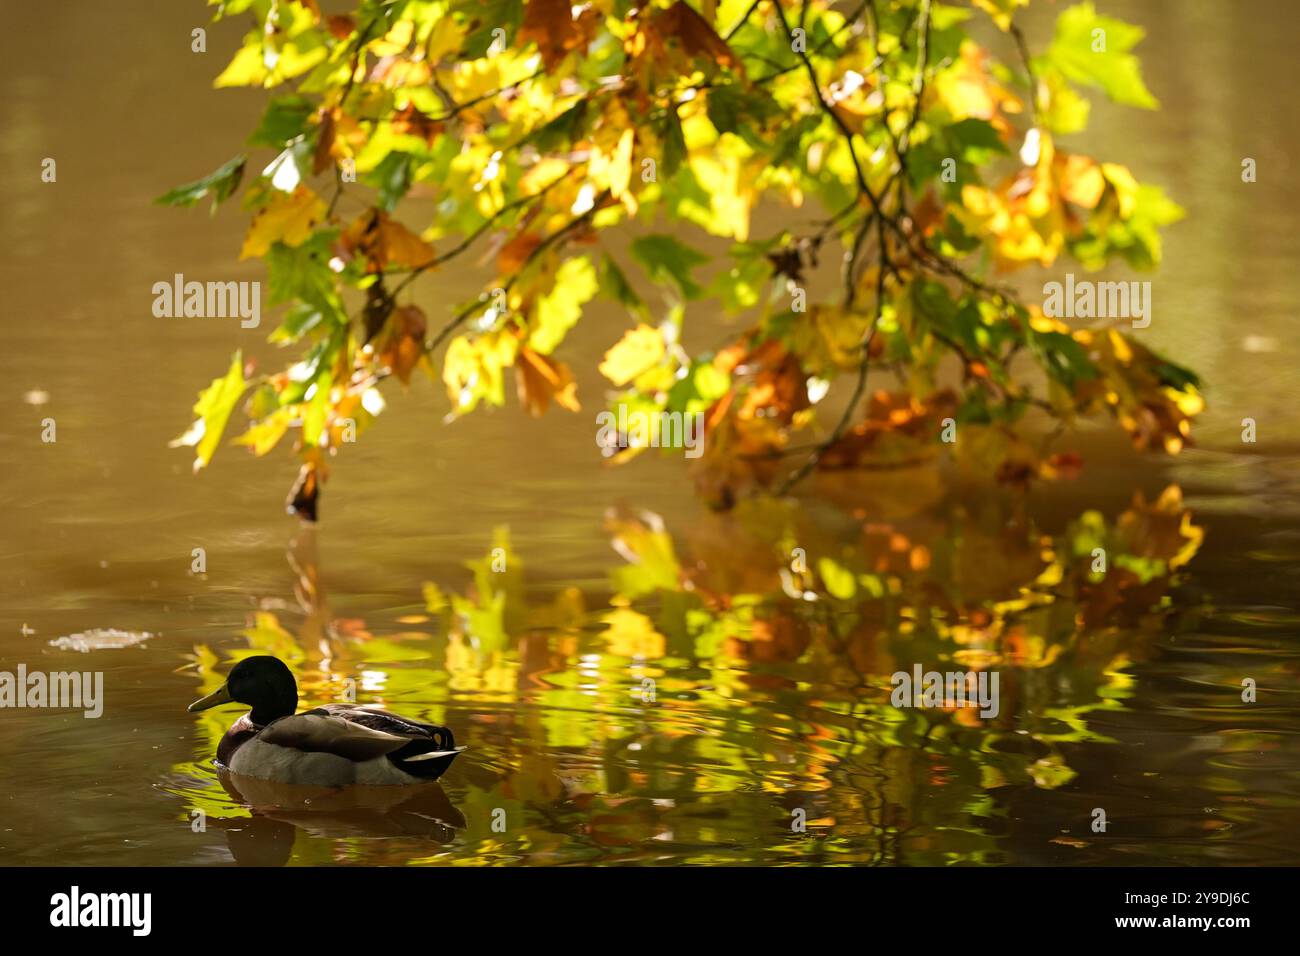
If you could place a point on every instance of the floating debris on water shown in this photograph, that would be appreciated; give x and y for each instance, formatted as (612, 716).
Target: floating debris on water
(100, 639)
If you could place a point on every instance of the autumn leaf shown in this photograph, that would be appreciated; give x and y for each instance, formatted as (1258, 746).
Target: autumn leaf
(559, 310)
(288, 218)
(304, 497)
(639, 349)
(682, 24)
(515, 253)
(266, 434)
(323, 158)
(402, 346)
(474, 368)
(542, 380)
(411, 122)
(556, 31)
(386, 243)
(1000, 10)
(213, 409)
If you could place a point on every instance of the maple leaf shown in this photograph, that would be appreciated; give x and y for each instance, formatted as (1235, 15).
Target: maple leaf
(541, 380)
(412, 122)
(692, 31)
(637, 351)
(556, 31)
(287, 218)
(386, 243)
(403, 344)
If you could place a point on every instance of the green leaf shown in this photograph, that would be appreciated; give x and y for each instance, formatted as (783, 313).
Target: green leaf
(491, 14)
(614, 285)
(674, 144)
(302, 272)
(299, 320)
(741, 286)
(1062, 356)
(558, 133)
(1093, 49)
(702, 385)
(221, 183)
(392, 177)
(975, 141)
(286, 118)
(665, 258)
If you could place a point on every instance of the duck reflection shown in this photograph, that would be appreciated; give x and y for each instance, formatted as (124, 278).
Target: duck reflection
(280, 810)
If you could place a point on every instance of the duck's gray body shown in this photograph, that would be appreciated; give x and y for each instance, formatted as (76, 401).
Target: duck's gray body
(338, 745)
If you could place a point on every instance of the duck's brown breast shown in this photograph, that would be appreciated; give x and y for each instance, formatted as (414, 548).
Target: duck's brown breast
(240, 732)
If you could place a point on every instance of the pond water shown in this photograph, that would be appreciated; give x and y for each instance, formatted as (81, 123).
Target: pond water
(642, 683)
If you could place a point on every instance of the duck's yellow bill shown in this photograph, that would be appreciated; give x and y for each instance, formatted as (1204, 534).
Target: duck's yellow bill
(219, 696)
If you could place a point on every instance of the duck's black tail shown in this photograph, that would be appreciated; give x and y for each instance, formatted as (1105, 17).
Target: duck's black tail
(430, 757)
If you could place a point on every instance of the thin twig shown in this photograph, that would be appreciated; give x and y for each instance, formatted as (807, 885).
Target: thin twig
(541, 247)
(864, 362)
(473, 236)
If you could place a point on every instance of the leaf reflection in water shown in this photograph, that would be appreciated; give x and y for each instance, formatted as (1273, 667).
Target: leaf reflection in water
(731, 674)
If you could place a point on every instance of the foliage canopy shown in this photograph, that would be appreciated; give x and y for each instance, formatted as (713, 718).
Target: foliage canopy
(536, 127)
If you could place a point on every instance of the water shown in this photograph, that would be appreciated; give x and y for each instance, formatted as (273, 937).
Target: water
(764, 706)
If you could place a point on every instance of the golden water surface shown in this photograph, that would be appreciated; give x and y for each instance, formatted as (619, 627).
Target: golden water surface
(641, 683)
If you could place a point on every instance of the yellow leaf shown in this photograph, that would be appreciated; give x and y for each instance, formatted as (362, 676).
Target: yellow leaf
(613, 169)
(287, 218)
(543, 174)
(213, 408)
(632, 634)
(559, 310)
(638, 350)
(444, 38)
(1080, 179)
(1000, 10)
(263, 436)
(246, 67)
(473, 369)
(1126, 187)
(395, 41)
(721, 173)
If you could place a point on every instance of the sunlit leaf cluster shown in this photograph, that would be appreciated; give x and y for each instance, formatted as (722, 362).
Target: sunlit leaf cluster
(607, 151)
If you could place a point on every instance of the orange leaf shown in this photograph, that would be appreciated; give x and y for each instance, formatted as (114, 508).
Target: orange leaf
(551, 25)
(697, 38)
(541, 380)
(324, 157)
(412, 122)
(515, 253)
(386, 242)
(403, 346)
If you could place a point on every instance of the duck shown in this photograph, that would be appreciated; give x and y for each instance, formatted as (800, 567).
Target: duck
(331, 746)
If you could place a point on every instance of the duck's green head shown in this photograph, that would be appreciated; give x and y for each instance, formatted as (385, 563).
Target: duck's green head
(263, 683)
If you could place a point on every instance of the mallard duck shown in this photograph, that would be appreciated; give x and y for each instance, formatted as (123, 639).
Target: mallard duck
(331, 746)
